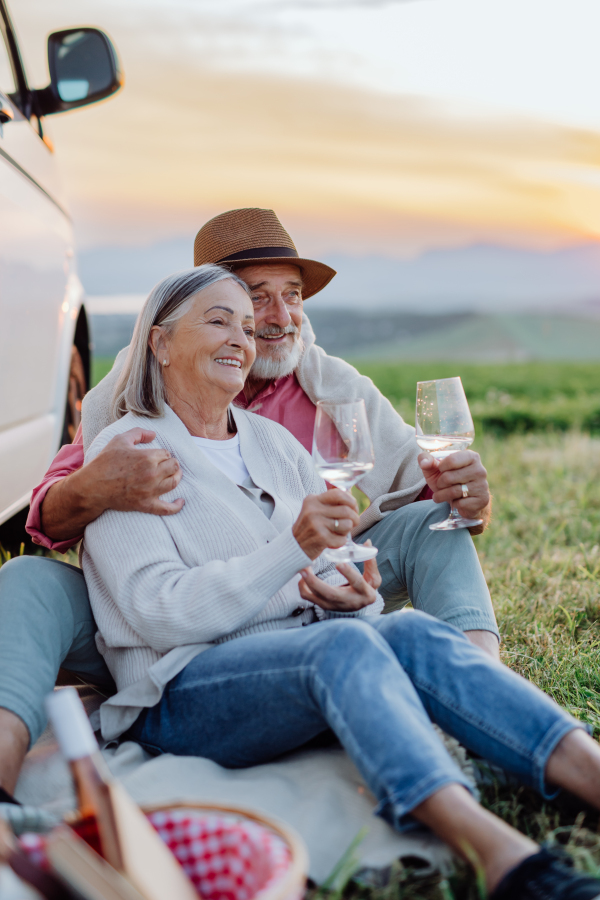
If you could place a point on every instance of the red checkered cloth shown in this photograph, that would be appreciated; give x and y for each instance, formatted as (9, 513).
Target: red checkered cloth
(224, 857)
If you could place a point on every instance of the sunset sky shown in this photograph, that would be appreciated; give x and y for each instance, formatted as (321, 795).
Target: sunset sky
(371, 126)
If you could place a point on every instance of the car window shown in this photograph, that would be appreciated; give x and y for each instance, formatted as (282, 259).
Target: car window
(7, 79)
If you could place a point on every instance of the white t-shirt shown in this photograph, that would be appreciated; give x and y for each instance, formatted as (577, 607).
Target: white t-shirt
(226, 456)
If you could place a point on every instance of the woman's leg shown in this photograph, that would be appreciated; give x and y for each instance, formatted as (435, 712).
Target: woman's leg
(249, 700)
(491, 709)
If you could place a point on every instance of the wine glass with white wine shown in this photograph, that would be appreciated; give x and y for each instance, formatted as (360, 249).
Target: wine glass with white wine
(444, 425)
(342, 454)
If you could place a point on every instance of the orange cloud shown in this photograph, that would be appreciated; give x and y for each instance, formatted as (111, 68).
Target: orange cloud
(346, 168)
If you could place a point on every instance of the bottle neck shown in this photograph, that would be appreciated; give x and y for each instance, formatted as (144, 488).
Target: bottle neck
(88, 781)
(91, 779)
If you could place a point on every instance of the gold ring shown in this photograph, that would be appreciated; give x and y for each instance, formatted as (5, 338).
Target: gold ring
(465, 491)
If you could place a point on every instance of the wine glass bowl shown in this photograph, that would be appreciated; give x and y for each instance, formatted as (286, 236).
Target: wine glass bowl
(342, 454)
(444, 425)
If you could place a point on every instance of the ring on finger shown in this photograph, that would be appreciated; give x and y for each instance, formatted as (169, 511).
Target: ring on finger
(465, 491)
(336, 524)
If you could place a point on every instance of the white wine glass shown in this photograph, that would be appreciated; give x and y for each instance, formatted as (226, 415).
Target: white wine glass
(342, 454)
(444, 426)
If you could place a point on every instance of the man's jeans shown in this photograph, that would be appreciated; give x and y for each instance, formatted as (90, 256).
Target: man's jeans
(46, 621)
(438, 571)
(377, 684)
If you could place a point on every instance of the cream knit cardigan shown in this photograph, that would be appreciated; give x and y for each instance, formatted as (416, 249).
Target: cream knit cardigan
(395, 480)
(164, 589)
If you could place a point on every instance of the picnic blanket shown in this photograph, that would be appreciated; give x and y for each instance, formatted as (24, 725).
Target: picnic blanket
(319, 792)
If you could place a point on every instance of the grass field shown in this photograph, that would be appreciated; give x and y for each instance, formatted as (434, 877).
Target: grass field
(101, 366)
(504, 398)
(541, 557)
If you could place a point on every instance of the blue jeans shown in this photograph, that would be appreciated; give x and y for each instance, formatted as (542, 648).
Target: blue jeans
(378, 685)
(439, 572)
(46, 621)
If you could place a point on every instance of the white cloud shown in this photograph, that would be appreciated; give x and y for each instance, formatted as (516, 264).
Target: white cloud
(538, 57)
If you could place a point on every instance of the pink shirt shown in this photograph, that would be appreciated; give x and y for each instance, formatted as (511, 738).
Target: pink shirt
(285, 402)
(68, 459)
(282, 401)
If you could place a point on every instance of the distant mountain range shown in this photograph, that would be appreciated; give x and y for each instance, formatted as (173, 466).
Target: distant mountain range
(474, 303)
(480, 278)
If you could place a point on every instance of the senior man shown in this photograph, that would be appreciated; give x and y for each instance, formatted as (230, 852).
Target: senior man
(45, 619)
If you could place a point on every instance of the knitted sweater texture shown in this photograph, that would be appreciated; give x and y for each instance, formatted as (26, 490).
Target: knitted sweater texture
(164, 589)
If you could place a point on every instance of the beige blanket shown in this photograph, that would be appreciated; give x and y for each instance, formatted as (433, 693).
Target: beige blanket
(318, 792)
(396, 478)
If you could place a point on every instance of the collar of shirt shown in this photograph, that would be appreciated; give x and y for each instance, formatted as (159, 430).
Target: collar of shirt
(265, 392)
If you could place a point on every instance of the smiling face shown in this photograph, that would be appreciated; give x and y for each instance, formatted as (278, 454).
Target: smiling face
(209, 354)
(276, 291)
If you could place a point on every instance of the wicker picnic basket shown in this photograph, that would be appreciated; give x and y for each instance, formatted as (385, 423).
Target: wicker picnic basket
(232, 853)
(227, 852)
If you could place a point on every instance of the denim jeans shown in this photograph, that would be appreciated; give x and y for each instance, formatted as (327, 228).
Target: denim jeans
(378, 685)
(45, 622)
(438, 571)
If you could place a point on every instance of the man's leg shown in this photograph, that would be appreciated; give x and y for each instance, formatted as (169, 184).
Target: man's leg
(440, 577)
(45, 623)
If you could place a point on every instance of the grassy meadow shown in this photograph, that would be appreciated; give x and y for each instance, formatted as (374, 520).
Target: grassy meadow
(505, 398)
(541, 558)
(538, 432)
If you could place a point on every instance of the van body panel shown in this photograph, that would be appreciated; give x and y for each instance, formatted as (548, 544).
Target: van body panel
(40, 293)
(38, 304)
(24, 449)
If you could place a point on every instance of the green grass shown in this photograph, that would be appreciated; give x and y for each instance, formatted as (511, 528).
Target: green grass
(504, 399)
(541, 558)
(101, 366)
(535, 380)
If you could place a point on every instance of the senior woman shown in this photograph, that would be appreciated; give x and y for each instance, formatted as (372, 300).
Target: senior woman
(200, 614)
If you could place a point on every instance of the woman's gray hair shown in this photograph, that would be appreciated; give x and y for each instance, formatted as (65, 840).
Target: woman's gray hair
(140, 388)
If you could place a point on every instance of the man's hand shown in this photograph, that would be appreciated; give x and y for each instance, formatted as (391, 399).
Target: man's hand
(446, 477)
(315, 528)
(128, 478)
(122, 477)
(359, 592)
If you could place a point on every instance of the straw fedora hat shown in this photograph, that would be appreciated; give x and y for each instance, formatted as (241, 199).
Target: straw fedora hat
(244, 237)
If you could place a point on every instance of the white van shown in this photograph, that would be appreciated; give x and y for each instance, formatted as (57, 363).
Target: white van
(44, 342)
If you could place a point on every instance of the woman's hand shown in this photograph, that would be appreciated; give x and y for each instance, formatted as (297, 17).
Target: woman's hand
(316, 528)
(359, 592)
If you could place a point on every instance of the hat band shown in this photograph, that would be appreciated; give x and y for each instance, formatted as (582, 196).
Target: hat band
(261, 253)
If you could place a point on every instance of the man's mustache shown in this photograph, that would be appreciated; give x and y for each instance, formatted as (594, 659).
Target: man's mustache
(277, 330)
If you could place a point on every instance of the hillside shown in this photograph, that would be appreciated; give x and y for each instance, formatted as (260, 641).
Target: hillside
(393, 336)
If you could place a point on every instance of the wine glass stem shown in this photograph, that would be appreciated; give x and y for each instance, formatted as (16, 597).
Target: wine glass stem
(454, 513)
(349, 542)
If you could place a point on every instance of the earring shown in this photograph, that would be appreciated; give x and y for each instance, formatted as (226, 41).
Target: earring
(164, 362)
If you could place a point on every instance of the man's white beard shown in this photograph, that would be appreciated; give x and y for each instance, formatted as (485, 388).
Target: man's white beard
(271, 367)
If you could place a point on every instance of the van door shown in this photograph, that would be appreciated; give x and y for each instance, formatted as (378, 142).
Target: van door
(36, 300)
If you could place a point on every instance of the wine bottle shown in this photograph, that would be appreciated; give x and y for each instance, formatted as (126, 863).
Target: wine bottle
(126, 839)
(91, 777)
